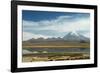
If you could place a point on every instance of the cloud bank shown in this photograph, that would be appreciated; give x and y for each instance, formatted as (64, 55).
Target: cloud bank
(55, 28)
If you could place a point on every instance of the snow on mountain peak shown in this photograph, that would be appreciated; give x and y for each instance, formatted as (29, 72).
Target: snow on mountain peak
(74, 33)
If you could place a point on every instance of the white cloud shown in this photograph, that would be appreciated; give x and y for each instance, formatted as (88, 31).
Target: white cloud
(60, 24)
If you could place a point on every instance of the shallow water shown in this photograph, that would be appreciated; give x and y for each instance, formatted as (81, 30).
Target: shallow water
(58, 50)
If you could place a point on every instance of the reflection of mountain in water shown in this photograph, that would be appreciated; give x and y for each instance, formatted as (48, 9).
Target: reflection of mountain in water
(58, 50)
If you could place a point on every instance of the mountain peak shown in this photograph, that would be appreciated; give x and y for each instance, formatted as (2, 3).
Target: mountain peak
(74, 33)
(74, 36)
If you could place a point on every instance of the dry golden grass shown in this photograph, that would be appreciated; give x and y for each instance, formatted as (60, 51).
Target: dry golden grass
(57, 45)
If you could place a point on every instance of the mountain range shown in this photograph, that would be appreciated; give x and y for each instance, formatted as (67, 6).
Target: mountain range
(70, 37)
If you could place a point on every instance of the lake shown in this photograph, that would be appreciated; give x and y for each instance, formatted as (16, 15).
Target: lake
(57, 50)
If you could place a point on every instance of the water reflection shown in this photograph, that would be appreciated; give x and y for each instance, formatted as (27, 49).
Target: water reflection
(58, 50)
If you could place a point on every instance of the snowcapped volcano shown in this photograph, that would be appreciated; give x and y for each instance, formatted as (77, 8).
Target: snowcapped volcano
(74, 33)
(69, 37)
(75, 36)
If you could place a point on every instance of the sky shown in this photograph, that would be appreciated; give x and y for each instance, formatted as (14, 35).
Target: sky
(49, 24)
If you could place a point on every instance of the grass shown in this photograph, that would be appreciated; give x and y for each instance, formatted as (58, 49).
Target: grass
(56, 45)
(57, 54)
(54, 57)
(50, 56)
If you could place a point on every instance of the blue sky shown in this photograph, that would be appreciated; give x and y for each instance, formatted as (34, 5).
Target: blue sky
(53, 24)
(46, 15)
